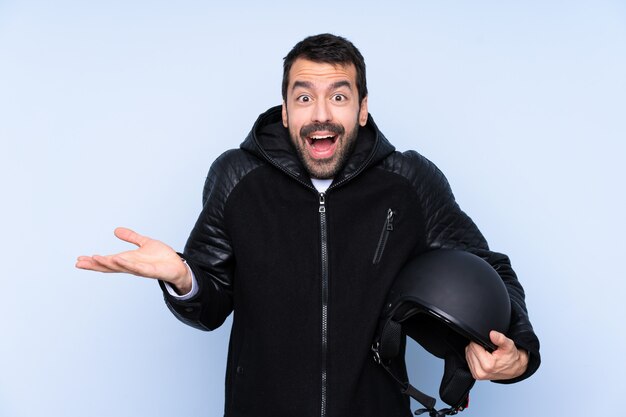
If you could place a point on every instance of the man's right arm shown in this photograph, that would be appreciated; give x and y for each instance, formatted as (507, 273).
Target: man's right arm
(209, 252)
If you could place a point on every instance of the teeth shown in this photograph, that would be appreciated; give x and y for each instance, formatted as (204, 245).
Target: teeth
(321, 137)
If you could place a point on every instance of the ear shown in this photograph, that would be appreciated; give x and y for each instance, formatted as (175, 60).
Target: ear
(363, 112)
(285, 117)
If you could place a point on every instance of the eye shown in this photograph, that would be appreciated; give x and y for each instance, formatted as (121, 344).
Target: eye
(303, 99)
(339, 97)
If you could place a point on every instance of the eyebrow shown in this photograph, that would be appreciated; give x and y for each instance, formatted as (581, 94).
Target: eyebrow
(342, 83)
(302, 84)
(333, 86)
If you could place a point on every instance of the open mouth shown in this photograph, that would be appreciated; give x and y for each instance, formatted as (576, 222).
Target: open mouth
(321, 139)
(321, 142)
(322, 145)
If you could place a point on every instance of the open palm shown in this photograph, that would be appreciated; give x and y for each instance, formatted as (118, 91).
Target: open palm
(152, 259)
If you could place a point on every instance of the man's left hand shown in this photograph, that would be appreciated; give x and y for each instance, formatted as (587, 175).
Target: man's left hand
(506, 362)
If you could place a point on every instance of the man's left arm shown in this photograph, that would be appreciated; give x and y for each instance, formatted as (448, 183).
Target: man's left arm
(448, 227)
(517, 356)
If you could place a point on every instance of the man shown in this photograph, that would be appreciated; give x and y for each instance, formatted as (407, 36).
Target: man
(290, 240)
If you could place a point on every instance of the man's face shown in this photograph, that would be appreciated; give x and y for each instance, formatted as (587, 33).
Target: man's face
(322, 113)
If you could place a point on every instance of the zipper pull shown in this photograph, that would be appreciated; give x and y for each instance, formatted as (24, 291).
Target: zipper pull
(389, 219)
(322, 202)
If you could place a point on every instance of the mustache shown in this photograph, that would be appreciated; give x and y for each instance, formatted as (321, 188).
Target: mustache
(334, 128)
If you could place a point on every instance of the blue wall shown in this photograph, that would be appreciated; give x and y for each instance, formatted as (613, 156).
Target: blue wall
(112, 111)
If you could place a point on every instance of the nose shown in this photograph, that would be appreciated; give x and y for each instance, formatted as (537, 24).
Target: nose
(322, 112)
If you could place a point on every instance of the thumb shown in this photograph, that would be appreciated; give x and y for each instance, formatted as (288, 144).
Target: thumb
(130, 236)
(500, 340)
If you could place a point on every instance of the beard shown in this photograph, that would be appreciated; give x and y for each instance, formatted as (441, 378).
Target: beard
(325, 168)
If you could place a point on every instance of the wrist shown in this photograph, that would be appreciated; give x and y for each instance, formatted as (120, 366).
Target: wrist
(182, 285)
(522, 361)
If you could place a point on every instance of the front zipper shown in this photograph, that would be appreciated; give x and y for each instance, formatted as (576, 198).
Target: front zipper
(324, 248)
(384, 235)
(324, 256)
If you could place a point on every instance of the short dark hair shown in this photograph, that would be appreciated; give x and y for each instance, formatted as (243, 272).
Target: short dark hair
(330, 49)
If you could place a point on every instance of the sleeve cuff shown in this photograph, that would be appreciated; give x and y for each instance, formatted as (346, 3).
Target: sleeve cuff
(194, 287)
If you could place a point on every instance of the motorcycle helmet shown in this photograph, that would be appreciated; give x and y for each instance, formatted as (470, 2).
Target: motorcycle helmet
(443, 299)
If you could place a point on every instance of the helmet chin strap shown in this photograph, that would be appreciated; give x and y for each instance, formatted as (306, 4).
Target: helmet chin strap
(426, 400)
(438, 413)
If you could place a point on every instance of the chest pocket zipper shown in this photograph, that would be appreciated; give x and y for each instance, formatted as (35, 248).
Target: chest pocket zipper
(384, 236)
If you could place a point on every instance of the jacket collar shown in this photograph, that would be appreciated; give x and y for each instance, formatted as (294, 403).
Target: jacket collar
(269, 139)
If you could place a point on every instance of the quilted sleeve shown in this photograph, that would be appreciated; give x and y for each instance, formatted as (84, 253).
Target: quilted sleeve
(208, 251)
(448, 227)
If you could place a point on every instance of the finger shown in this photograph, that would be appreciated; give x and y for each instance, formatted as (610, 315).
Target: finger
(477, 349)
(501, 341)
(130, 236)
(470, 354)
(85, 262)
(474, 364)
(136, 268)
(107, 262)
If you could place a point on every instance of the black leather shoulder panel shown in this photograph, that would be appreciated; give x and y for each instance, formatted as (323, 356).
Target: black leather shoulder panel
(209, 251)
(447, 225)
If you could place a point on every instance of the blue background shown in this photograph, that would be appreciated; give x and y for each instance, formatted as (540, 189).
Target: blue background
(112, 111)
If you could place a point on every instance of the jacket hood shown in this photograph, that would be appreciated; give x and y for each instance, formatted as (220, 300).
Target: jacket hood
(270, 140)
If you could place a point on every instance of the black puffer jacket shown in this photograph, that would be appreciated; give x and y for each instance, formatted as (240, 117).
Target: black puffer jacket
(306, 273)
